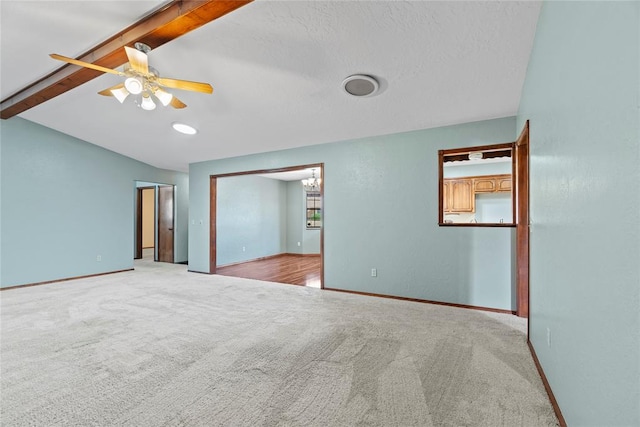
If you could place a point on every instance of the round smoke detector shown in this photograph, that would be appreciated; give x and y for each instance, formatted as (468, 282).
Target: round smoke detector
(360, 85)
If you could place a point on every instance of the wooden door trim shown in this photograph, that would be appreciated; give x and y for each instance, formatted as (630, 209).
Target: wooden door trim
(138, 243)
(138, 248)
(522, 222)
(275, 170)
(213, 212)
(213, 209)
(173, 221)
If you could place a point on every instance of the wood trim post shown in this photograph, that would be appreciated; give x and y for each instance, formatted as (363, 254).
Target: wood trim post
(440, 187)
(138, 248)
(522, 222)
(213, 212)
(323, 213)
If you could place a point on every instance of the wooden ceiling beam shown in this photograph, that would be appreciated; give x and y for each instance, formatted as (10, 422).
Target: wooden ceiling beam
(159, 27)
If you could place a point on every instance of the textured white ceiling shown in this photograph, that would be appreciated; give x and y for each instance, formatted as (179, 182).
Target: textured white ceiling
(276, 68)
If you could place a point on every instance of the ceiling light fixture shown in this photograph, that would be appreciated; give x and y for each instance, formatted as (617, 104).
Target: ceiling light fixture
(475, 156)
(163, 96)
(312, 184)
(134, 85)
(183, 128)
(147, 103)
(360, 85)
(120, 94)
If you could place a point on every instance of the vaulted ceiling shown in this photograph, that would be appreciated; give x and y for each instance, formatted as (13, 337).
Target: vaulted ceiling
(277, 68)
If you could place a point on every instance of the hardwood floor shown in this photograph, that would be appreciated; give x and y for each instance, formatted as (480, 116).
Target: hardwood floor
(286, 268)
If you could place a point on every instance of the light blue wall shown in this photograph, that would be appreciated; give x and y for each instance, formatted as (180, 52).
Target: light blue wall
(251, 214)
(310, 240)
(262, 215)
(582, 96)
(381, 211)
(295, 217)
(65, 201)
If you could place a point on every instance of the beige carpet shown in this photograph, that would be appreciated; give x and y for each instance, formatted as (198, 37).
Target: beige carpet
(162, 347)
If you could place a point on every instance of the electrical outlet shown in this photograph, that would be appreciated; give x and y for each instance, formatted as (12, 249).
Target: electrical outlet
(548, 337)
(298, 243)
(99, 258)
(244, 249)
(374, 272)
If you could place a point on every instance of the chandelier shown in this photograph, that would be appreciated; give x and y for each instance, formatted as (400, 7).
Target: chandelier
(312, 184)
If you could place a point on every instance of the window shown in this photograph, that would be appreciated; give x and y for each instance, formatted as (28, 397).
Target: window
(476, 186)
(314, 210)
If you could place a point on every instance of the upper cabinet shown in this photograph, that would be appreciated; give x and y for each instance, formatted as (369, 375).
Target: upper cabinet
(484, 184)
(460, 193)
(491, 183)
(504, 183)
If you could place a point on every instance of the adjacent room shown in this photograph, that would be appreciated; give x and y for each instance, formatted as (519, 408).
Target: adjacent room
(319, 213)
(269, 226)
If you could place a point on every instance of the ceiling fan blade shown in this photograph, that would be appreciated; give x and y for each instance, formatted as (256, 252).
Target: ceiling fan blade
(85, 64)
(138, 60)
(176, 103)
(185, 85)
(108, 91)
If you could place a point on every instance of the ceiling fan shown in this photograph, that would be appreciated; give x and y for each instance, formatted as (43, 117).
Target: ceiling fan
(142, 79)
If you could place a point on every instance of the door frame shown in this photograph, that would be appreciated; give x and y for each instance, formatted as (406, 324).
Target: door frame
(138, 246)
(160, 212)
(522, 222)
(213, 210)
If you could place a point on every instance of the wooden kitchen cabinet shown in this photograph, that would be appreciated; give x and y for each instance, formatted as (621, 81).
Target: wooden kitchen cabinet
(492, 183)
(458, 195)
(503, 183)
(484, 184)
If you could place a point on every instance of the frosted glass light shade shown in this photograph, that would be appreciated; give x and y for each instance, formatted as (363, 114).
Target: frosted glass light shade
(120, 94)
(147, 103)
(134, 85)
(164, 97)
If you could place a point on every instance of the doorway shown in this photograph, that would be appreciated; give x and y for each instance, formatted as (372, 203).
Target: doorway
(217, 239)
(154, 229)
(148, 223)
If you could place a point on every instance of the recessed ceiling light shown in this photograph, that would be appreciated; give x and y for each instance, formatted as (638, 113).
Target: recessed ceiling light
(186, 129)
(360, 85)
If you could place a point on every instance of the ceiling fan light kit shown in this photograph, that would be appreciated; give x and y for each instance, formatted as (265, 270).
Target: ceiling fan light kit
(120, 94)
(134, 85)
(163, 96)
(147, 103)
(143, 80)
